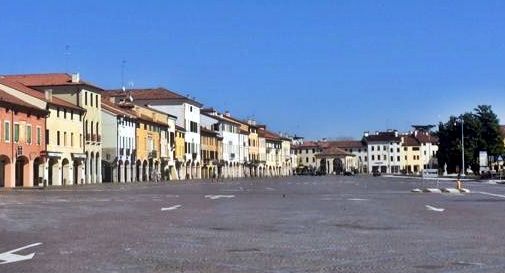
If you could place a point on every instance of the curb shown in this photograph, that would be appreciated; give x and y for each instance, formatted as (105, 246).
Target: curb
(442, 190)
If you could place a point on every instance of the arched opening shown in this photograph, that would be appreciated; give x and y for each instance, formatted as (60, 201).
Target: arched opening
(54, 172)
(145, 170)
(92, 166)
(120, 172)
(5, 172)
(338, 166)
(65, 171)
(97, 168)
(138, 171)
(127, 171)
(38, 172)
(106, 171)
(22, 171)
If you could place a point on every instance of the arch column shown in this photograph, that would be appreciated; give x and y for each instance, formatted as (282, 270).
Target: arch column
(121, 173)
(87, 180)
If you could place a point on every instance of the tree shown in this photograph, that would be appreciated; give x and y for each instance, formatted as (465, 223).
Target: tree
(481, 133)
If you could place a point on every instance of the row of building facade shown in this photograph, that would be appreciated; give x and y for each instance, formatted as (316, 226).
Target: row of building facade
(384, 152)
(57, 129)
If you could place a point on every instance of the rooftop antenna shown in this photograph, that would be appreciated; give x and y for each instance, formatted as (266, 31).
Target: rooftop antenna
(67, 56)
(123, 63)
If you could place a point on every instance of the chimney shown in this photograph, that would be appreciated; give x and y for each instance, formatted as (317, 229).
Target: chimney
(75, 78)
(48, 94)
(415, 133)
(396, 133)
(227, 114)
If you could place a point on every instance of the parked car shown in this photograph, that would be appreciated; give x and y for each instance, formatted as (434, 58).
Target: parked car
(376, 173)
(348, 173)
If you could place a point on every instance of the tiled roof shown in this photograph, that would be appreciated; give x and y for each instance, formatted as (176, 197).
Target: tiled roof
(38, 94)
(383, 137)
(306, 145)
(10, 99)
(159, 93)
(346, 144)
(219, 118)
(410, 141)
(47, 79)
(425, 137)
(333, 151)
(177, 127)
(107, 105)
(269, 135)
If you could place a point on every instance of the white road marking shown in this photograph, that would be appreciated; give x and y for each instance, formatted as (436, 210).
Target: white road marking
(491, 194)
(434, 209)
(214, 197)
(171, 208)
(9, 256)
(269, 189)
(357, 199)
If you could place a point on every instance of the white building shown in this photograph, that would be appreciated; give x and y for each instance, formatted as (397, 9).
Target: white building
(229, 130)
(383, 152)
(187, 112)
(118, 143)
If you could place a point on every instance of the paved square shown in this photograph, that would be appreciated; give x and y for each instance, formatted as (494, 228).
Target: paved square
(293, 224)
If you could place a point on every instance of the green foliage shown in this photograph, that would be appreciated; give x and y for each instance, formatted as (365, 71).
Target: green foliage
(481, 133)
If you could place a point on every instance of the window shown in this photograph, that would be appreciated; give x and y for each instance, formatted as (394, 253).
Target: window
(58, 112)
(385, 149)
(72, 139)
(64, 138)
(313, 159)
(313, 150)
(85, 98)
(58, 138)
(64, 113)
(7, 131)
(47, 136)
(391, 159)
(384, 157)
(96, 101)
(29, 134)
(373, 157)
(398, 158)
(91, 99)
(72, 114)
(373, 148)
(16, 132)
(38, 136)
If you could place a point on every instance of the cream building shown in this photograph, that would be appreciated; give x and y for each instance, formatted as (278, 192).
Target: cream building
(64, 159)
(72, 89)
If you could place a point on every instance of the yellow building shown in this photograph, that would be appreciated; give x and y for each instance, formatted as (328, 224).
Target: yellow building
(148, 144)
(180, 152)
(209, 143)
(410, 155)
(254, 151)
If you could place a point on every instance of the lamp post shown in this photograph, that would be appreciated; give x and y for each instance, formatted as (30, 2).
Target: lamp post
(462, 121)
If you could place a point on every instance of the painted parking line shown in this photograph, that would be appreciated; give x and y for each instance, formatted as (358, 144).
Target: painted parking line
(357, 199)
(491, 194)
(171, 208)
(214, 197)
(434, 208)
(9, 256)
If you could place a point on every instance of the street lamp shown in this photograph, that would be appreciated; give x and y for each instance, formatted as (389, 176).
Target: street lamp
(462, 121)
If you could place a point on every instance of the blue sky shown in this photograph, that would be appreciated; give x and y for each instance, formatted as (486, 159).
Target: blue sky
(315, 68)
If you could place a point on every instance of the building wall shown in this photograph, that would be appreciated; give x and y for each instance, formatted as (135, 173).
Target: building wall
(253, 145)
(110, 136)
(179, 146)
(31, 140)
